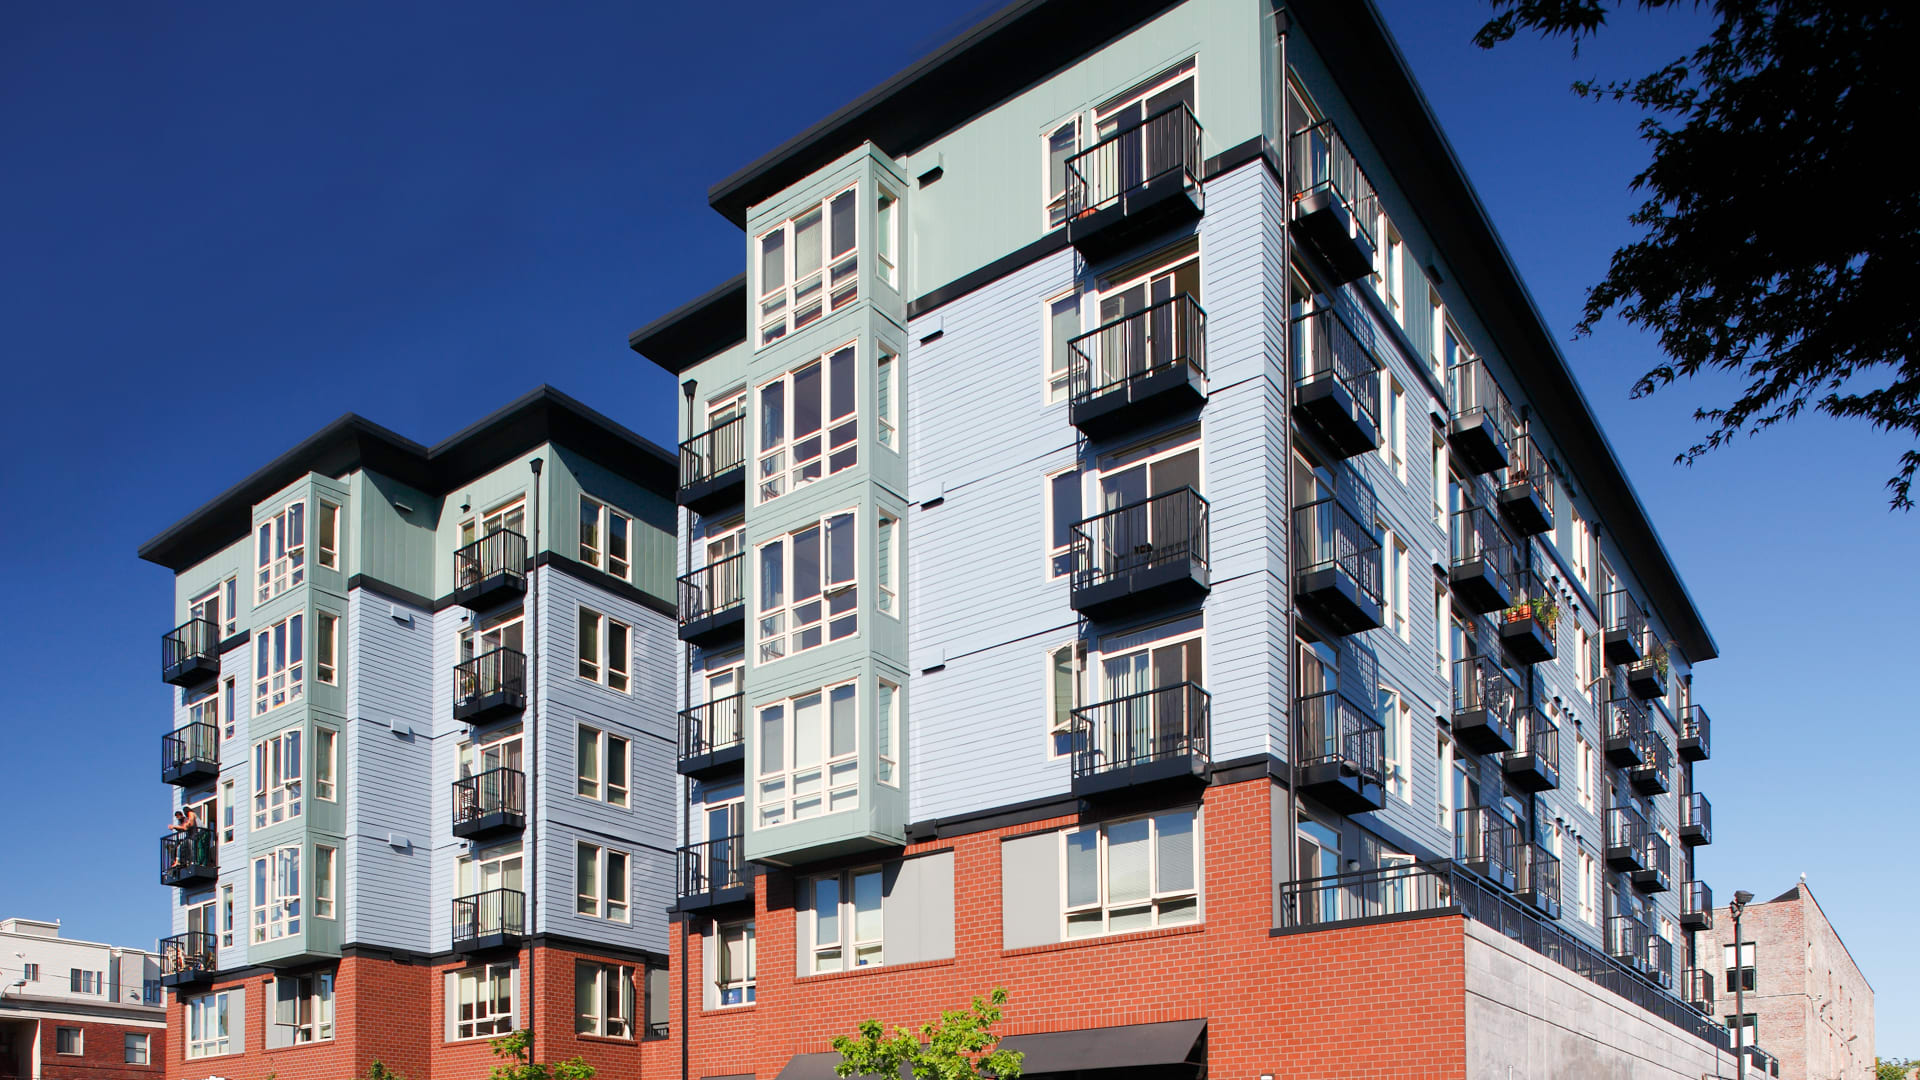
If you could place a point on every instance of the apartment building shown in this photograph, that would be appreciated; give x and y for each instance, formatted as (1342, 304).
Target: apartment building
(1800, 993)
(76, 1010)
(1137, 532)
(422, 723)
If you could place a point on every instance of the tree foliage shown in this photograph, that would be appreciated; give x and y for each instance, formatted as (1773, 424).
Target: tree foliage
(515, 1049)
(1893, 1068)
(960, 1045)
(1778, 234)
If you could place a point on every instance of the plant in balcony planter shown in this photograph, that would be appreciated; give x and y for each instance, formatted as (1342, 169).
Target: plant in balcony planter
(1544, 610)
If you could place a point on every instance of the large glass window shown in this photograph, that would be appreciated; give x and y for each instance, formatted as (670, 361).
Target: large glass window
(847, 920)
(326, 744)
(1065, 663)
(603, 999)
(276, 894)
(209, 1030)
(735, 962)
(809, 755)
(1063, 325)
(604, 762)
(809, 424)
(1132, 875)
(603, 653)
(483, 1001)
(281, 552)
(606, 538)
(303, 1006)
(807, 588)
(326, 648)
(602, 882)
(276, 779)
(808, 266)
(279, 668)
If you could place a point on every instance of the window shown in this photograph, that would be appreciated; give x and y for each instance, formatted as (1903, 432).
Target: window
(1389, 266)
(276, 779)
(278, 669)
(1441, 472)
(281, 558)
(226, 916)
(325, 761)
(604, 649)
(323, 860)
(886, 732)
(807, 579)
(31, 973)
(847, 920)
(326, 647)
(1580, 546)
(134, 1050)
(209, 606)
(1397, 717)
(886, 242)
(276, 894)
(886, 556)
(1063, 325)
(1745, 1028)
(1442, 768)
(606, 533)
(1586, 773)
(1065, 664)
(884, 393)
(602, 1000)
(483, 1001)
(1589, 885)
(508, 517)
(604, 762)
(1063, 513)
(208, 1017)
(1132, 875)
(1437, 356)
(329, 556)
(1061, 143)
(204, 708)
(794, 291)
(66, 1040)
(1740, 970)
(796, 409)
(809, 755)
(1393, 419)
(303, 1007)
(734, 963)
(85, 982)
(601, 881)
(227, 812)
(200, 918)
(229, 699)
(1395, 593)
(1442, 611)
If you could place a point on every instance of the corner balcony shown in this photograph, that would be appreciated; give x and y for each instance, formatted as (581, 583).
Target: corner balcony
(712, 739)
(1533, 765)
(1153, 738)
(491, 571)
(1334, 205)
(1656, 874)
(1626, 627)
(1696, 819)
(1696, 906)
(187, 959)
(1647, 678)
(190, 653)
(1136, 183)
(1336, 388)
(1485, 705)
(1482, 424)
(490, 920)
(1151, 553)
(1139, 369)
(1624, 733)
(1526, 491)
(490, 805)
(1527, 625)
(1484, 560)
(714, 873)
(1696, 988)
(1336, 566)
(1483, 842)
(189, 858)
(490, 686)
(1695, 734)
(713, 468)
(1537, 879)
(190, 755)
(1626, 843)
(713, 603)
(1653, 775)
(1340, 749)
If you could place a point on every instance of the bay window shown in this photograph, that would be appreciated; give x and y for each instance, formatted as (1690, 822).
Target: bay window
(279, 654)
(847, 920)
(281, 552)
(329, 556)
(809, 755)
(276, 894)
(276, 779)
(808, 266)
(807, 589)
(807, 415)
(1132, 875)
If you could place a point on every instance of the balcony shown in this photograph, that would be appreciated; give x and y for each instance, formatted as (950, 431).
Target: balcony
(712, 740)
(1484, 843)
(190, 653)
(1655, 875)
(1484, 562)
(1627, 941)
(189, 857)
(1647, 678)
(1696, 986)
(1533, 765)
(1336, 388)
(190, 755)
(1156, 737)
(485, 921)
(490, 804)
(713, 603)
(715, 873)
(1144, 554)
(1695, 731)
(1653, 775)
(491, 571)
(713, 467)
(1624, 733)
(490, 686)
(1626, 627)
(1657, 965)
(1336, 566)
(1696, 906)
(1482, 425)
(1526, 492)
(1537, 879)
(1696, 819)
(1340, 749)
(1626, 848)
(188, 959)
(1527, 625)
(1485, 705)
(1138, 369)
(1135, 183)
(1334, 206)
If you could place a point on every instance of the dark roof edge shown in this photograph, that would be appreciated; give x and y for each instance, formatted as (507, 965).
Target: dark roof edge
(697, 329)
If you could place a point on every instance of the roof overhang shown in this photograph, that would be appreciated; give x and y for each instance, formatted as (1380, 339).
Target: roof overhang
(696, 329)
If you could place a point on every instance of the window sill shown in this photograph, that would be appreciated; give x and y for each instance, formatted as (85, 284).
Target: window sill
(471, 1040)
(608, 1040)
(293, 1047)
(872, 969)
(729, 1010)
(1108, 939)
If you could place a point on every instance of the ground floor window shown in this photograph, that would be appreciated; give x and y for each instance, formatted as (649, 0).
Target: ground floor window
(483, 999)
(207, 1025)
(67, 1040)
(603, 999)
(136, 1049)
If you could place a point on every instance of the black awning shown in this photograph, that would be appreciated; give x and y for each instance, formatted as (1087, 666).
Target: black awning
(1175, 1048)
(820, 1067)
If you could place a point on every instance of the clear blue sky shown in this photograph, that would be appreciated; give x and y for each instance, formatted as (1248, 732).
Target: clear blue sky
(227, 224)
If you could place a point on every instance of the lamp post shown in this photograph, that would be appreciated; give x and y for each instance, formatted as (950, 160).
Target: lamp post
(1740, 901)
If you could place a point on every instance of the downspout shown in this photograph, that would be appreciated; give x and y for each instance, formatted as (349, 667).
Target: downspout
(532, 740)
(1292, 825)
(686, 799)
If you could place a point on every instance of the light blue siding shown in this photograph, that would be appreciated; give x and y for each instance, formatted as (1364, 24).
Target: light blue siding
(388, 758)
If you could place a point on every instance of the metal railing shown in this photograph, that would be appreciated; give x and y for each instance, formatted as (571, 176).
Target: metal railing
(1627, 940)
(1696, 986)
(720, 449)
(184, 851)
(1476, 532)
(1696, 813)
(196, 743)
(1480, 682)
(1485, 841)
(195, 639)
(1626, 829)
(1697, 899)
(1659, 853)
(187, 953)
(1324, 344)
(1164, 723)
(1659, 959)
(1327, 533)
(496, 671)
(1162, 529)
(1331, 730)
(1157, 338)
(1620, 613)
(713, 865)
(1656, 760)
(1322, 162)
(1694, 724)
(1626, 718)
(1473, 392)
(1527, 467)
(495, 912)
(1537, 871)
(1532, 596)
(1166, 143)
(714, 725)
(501, 552)
(714, 588)
(1536, 735)
(495, 791)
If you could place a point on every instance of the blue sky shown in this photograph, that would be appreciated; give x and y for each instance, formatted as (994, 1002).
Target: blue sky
(228, 224)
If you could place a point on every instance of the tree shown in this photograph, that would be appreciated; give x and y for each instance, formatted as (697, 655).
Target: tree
(960, 1045)
(1893, 1068)
(1778, 233)
(516, 1051)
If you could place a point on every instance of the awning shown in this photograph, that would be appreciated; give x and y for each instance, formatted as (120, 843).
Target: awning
(820, 1067)
(1170, 1049)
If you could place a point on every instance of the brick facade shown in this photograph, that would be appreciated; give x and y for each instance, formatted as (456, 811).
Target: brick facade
(103, 1051)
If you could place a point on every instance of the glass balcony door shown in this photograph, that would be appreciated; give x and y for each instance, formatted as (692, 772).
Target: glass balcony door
(1139, 158)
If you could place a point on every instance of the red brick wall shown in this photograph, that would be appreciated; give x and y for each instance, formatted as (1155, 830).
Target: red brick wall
(103, 1053)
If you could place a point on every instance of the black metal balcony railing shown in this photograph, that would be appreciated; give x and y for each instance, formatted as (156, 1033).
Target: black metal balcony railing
(713, 601)
(1696, 819)
(1537, 878)
(1486, 705)
(1647, 677)
(190, 653)
(1152, 549)
(1410, 890)
(1626, 627)
(1148, 737)
(1624, 730)
(1336, 384)
(1340, 748)
(1483, 842)
(489, 919)
(1626, 847)
(714, 872)
(1653, 776)
(1696, 733)
(490, 802)
(1526, 492)
(1696, 906)
(1483, 425)
(1151, 360)
(1485, 561)
(490, 570)
(1534, 763)
(713, 464)
(1656, 872)
(187, 958)
(1337, 565)
(190, 754)
(1528, 625)
(709, 731)
(1165, 145)
(491, 684)
(1697, 988)
(1335, 206)
(189, 857)
(1659, 959)
(1627, 941)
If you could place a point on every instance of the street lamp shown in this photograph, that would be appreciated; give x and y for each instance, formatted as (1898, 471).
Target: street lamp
(1740, 901)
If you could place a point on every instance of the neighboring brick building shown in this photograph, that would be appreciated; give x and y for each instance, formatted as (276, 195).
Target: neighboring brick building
(1810, 1005)
(77, 1010)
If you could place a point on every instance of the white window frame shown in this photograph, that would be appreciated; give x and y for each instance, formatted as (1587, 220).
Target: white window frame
(1059, 558)
(1056, 367)
(1059, 729)
(886, 726)
(886, 240)
(226, 916)
(280, 551)
(276, 894)
(608, 1011)
(1589, 879)
(597, 550)
(230, 704)
(486, 523)
(727, 982)
(776, 308)
(209, 1024)
(136, 1048)
(326, 648)
(327, 535)
(778, 633)
(886, 541)
(608, 871)
(778, 468)
(1389, 270)
(598, 783)
(279, 762)
(886, 396)
(473, 986)
(1398, 743)
(326, 865)
(829, 784)
(1396, 613)
(312, 1007)
(1586, 773)
(204, 707)
(279, 669)
(600, 666)
(326, 764)
(1393, 421)
(1053, 204)
(1157, 901)
(853, 944)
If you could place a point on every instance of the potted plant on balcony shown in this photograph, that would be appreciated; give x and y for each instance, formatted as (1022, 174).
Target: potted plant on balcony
(1527, 626)
(1647, 678)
